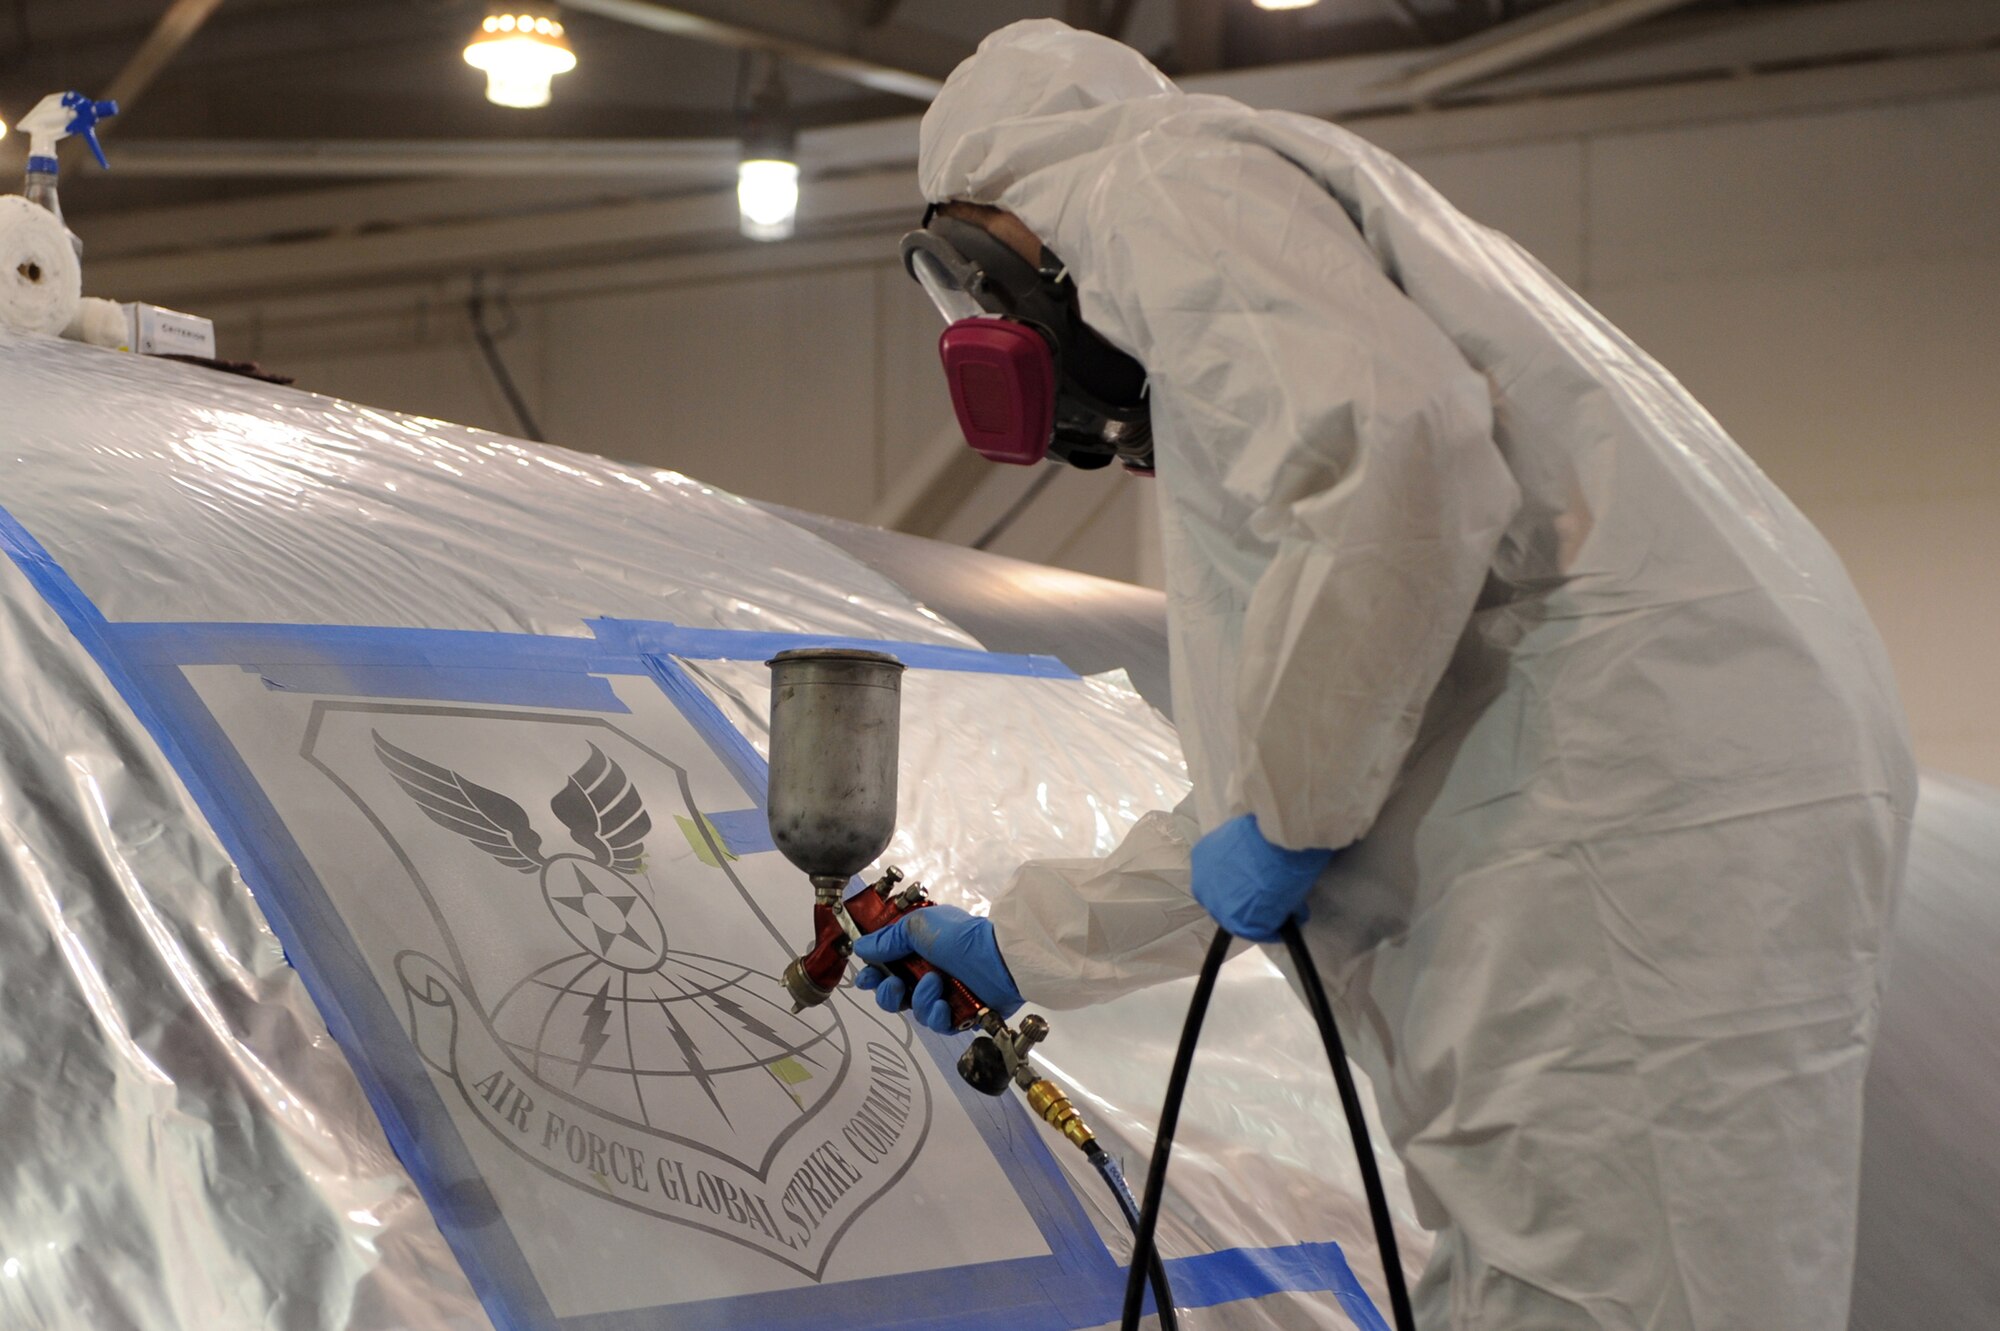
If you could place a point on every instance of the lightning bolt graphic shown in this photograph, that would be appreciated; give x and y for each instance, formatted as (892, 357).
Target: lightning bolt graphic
(688, 1051)
(757, 1028)
(693, 1059)
(596, 1017)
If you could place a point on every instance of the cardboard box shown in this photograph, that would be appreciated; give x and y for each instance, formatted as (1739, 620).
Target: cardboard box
(153, 331)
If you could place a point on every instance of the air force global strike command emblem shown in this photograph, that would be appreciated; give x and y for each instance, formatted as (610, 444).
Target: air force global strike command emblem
(615, 1016)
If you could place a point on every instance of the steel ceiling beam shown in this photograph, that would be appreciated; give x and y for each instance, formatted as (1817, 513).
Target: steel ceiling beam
(701, 161)
(526, 241)
(243, 35)
(296, 214)
(888, 57)
(1804, 91)
(175, 29)
(835, 148)
(1679, 48)
(1511, 45)
(1740, 40)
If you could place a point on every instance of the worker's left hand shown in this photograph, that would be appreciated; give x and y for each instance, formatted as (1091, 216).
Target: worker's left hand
(958, 943)
(1250, 886)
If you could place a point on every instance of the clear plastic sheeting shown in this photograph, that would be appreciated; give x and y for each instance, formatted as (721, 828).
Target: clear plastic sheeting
(181, 1144)
(171, 493)
(185, 1145)
(991, 773)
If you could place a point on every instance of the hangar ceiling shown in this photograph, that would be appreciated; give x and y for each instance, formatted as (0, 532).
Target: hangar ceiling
(354, 125)
(367, 68)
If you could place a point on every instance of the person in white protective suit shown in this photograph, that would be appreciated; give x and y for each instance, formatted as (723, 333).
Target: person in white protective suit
(1466, 588)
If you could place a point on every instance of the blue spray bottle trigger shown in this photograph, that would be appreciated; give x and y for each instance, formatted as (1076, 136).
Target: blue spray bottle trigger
(85, 112)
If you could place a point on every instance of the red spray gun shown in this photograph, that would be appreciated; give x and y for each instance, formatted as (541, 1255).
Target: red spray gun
(811, 979)
(836, 723)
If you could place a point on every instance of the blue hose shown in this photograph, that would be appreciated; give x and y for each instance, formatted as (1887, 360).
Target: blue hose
(1107, 1165)
(1163, 1295)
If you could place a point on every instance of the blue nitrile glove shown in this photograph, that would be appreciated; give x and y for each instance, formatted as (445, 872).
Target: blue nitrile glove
(1250, 886)
(956, 942)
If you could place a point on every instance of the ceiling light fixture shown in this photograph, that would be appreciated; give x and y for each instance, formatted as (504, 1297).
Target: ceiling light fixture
(520, 51)
(767, 197)
(1285, 4)
(767, 177)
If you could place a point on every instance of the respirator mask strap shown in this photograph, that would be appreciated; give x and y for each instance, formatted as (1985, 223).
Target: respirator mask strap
(947, 276)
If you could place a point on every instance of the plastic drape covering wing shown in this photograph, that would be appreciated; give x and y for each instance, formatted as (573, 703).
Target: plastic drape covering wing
(171, 496)
(187, 1145)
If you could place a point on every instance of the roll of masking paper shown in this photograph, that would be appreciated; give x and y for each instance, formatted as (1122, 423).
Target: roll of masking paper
(41, 284)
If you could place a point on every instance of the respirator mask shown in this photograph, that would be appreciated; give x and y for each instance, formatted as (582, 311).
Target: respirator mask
(1028, 378)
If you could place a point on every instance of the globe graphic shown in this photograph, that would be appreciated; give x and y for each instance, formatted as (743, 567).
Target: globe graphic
(695, 1045)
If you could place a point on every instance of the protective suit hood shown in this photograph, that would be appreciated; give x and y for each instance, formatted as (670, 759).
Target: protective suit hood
(1034, 95)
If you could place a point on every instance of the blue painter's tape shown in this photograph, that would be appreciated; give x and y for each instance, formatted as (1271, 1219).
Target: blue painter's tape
(643, 638)
(614, 650)
(946, 1301)
(48, 577)
(737, 753)
(355, 645)
(1221, 1277)
(1040, 1181)
(744, 831)
(506, 686)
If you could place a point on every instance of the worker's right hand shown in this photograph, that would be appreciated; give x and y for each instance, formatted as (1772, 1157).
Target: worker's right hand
(1248, 884)
(956, 942)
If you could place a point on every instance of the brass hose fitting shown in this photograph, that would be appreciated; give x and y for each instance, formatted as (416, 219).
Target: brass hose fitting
(1046, 1099)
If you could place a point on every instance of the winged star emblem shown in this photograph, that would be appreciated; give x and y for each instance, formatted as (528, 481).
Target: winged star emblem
(590, 895)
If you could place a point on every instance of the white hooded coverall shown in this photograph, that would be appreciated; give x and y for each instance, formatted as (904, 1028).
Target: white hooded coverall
(1456, 572)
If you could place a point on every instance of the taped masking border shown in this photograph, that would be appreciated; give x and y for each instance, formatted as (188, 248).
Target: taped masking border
(642, 638)
(1078, 1285)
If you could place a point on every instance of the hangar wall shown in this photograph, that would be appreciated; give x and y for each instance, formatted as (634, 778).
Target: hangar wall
(1825, 285)
(1823, 281)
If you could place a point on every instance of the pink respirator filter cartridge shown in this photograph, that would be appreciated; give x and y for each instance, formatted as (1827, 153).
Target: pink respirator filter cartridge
(1003, 387)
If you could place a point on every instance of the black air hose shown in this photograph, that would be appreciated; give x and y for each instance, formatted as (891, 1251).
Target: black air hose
(1143, 1249)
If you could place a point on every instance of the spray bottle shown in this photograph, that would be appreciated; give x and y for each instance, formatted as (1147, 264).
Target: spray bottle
(55, 118)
